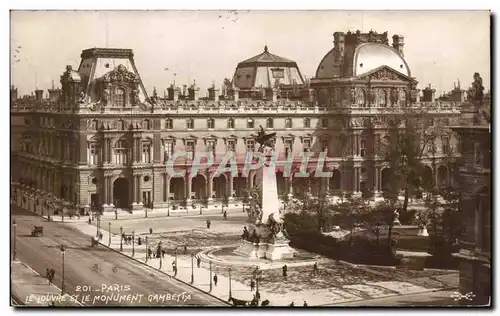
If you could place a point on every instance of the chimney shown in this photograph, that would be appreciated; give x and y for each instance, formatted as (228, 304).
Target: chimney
(429, 94)
(235, 92)
(398, 42)
(173, 93)
(213, 93)
(194, 92)
(13, 93)
(39, 95)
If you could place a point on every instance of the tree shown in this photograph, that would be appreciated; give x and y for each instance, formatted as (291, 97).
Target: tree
(350, 212)
(411, 135)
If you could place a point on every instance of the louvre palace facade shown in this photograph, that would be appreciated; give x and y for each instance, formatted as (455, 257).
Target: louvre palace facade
(103, 141)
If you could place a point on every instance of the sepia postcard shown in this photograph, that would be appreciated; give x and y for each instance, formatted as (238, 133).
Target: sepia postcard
(250, 158)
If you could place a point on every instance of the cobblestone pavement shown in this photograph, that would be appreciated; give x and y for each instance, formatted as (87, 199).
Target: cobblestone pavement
(336, 282)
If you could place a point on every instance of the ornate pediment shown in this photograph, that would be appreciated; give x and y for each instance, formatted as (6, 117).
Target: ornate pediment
(385, 73)
(121, 74)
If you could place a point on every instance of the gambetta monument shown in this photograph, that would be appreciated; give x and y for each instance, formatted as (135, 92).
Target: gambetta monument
(264, 238)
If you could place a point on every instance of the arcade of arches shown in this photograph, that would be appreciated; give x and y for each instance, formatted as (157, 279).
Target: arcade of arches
(132, 192)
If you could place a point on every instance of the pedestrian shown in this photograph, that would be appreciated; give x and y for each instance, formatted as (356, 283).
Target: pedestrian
(208, 224)
(315, 268)
(100, 236)
(185, 249)
(305, 304)
(149, 252)
(257, 295)
(215, 279)
(198, 262)
(225, 215)
(285, 270)
(139, 241)
(291, 304)
(163, 253)
(252, 285)
(150, 230)
(90, 221)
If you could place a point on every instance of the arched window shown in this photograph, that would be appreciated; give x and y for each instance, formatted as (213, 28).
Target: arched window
(168, 124)
(230, 123)
(269, 123)
(120, 152)
(288, 123)
(120, 97)
(94, 154)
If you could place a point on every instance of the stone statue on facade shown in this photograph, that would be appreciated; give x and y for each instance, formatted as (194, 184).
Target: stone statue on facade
(475, 93)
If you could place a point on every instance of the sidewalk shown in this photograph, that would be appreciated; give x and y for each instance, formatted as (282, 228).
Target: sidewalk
(158, 213)
(201, 275)
(32, 289)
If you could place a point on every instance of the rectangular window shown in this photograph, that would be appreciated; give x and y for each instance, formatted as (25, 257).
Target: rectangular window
(211, 123)
(121, 156)
(307, 123)
(362, 147)
(250, 145)
(168, 124)
(324, 123)
(190, 124)
(288, 147)
(250, 123)
(231, 145)
(94, 154)
(169, 150)
(190, 149)
(307, 144)
(146, 152)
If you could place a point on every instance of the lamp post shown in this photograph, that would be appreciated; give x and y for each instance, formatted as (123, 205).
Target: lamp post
(147, 253)
(121, 238)
(97, 225)
(168, 205)
(62, 257)
(109, 233)
(133, 243)
(192, 268)
(230, 294)
(14, 224)
(161, 261)
(210, 276)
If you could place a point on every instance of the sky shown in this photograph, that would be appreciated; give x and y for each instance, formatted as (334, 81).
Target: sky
(441, 47)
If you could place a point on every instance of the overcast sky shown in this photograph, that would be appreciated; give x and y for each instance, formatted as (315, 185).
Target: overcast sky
(441, 46)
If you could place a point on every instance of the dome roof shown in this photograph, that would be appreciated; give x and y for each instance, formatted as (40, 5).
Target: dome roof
(265, 70)
(370, 56)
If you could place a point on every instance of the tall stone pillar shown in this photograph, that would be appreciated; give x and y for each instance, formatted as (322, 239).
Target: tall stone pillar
(105, 150)
(111, 198)
(188, 181)
(210, 184)
(230, 187)
(136, 193)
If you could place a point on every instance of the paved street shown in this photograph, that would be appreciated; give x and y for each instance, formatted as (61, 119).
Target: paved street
(104, 275)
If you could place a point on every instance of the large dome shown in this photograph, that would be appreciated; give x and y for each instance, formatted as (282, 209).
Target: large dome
(370, 56)
(266, 70)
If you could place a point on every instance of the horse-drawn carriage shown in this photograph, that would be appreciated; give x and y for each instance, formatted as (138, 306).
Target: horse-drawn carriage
(37, 231)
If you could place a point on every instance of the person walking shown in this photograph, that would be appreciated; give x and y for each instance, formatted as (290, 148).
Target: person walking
(90, 221)
(198, 262)
(252, 285)
(285, 270)
(315, 268)
(185, 249)
(149, 253)
(224, 215)
(163, 253)
(215, 279)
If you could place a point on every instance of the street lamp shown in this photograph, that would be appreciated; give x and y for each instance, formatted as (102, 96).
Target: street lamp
(230, 294)
(210, 276)
(14, 224)
(121, 238)
(109, 233)
(62, 254)
(133, 243)
(161, 261)
(97, 225)
(192, 268)
(168, 205)
(147, 253)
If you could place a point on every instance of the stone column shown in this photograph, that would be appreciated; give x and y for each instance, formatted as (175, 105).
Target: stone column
(188, 180)
(105, 150)
(230, 187)
(110, 192)
(136, 193)
(210, 184)
(356, 145)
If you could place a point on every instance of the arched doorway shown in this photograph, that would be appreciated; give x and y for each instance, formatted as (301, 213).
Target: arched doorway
(239, 186)
(335, 181)
(120, 193)
(442, 175)
(198, 187)
(177, 188)
(427, 178)
(280, 183)
(386, 178)
(219, 186)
